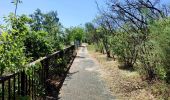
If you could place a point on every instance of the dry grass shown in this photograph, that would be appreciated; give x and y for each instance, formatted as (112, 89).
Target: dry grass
(124, 84)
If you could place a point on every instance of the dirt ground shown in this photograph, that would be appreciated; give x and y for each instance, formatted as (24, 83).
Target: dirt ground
(124, 84)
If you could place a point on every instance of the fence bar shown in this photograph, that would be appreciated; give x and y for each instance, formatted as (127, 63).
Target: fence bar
(26, 85)
(3, 91)
(9, 89)
(18, 83)
(21, 84)
(29, 86)
(32, 83)
(14, 89)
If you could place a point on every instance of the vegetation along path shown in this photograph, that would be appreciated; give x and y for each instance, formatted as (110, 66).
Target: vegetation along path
(83, 81)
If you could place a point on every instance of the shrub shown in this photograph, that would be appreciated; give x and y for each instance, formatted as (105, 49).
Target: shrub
(36, 45)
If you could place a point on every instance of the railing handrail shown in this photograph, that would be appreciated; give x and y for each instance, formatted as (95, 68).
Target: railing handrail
(48, 56)
(55, 65)
(6, 77)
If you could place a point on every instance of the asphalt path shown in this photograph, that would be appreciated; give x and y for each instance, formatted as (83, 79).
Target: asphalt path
(83, 81)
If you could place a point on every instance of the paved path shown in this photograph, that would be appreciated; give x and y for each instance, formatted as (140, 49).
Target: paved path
(83, 81)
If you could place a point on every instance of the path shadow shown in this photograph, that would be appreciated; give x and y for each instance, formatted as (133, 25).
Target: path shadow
(54, 86)
(82, 46)
(80, 57)
(69, 75)
(127, 68)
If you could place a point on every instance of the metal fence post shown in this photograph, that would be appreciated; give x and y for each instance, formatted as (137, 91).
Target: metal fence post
(46, 74)
(23, 83)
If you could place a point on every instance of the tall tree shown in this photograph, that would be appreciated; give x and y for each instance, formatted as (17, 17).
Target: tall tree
(16, 2)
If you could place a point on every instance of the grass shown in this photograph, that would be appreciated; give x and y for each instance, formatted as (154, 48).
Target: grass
(125, 84)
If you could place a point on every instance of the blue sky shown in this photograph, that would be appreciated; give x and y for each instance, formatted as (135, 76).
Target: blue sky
(70, 12)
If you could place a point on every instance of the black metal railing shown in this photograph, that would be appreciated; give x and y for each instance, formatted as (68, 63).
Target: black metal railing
(41, 79)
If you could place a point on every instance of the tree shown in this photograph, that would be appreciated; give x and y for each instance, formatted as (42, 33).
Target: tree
(12, 49)
(48, 22)
(16, 2)
(52, 25)
(137, 15)
(37, 17)
(124, 31)
(90, 33)
(160, 48)
(74, 34)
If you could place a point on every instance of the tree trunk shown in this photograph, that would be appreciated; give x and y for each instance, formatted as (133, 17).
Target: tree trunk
(108, 53)
(107, 49)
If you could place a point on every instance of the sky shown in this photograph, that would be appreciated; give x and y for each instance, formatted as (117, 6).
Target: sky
(70, 12)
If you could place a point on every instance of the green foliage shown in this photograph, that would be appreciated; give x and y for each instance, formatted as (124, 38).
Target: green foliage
(37, 18)
(74, 34)
(12, 54)
(160, 38)
(12, 47)
(125, 47)
(137, 36)
(26, 39)
(68, 36)
(149, 52)
(48, 22)
(78, 33)
(36, 45)
(90, 32)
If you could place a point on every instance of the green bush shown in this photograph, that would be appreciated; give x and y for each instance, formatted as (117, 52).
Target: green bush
(160, 37)
(36, 45)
